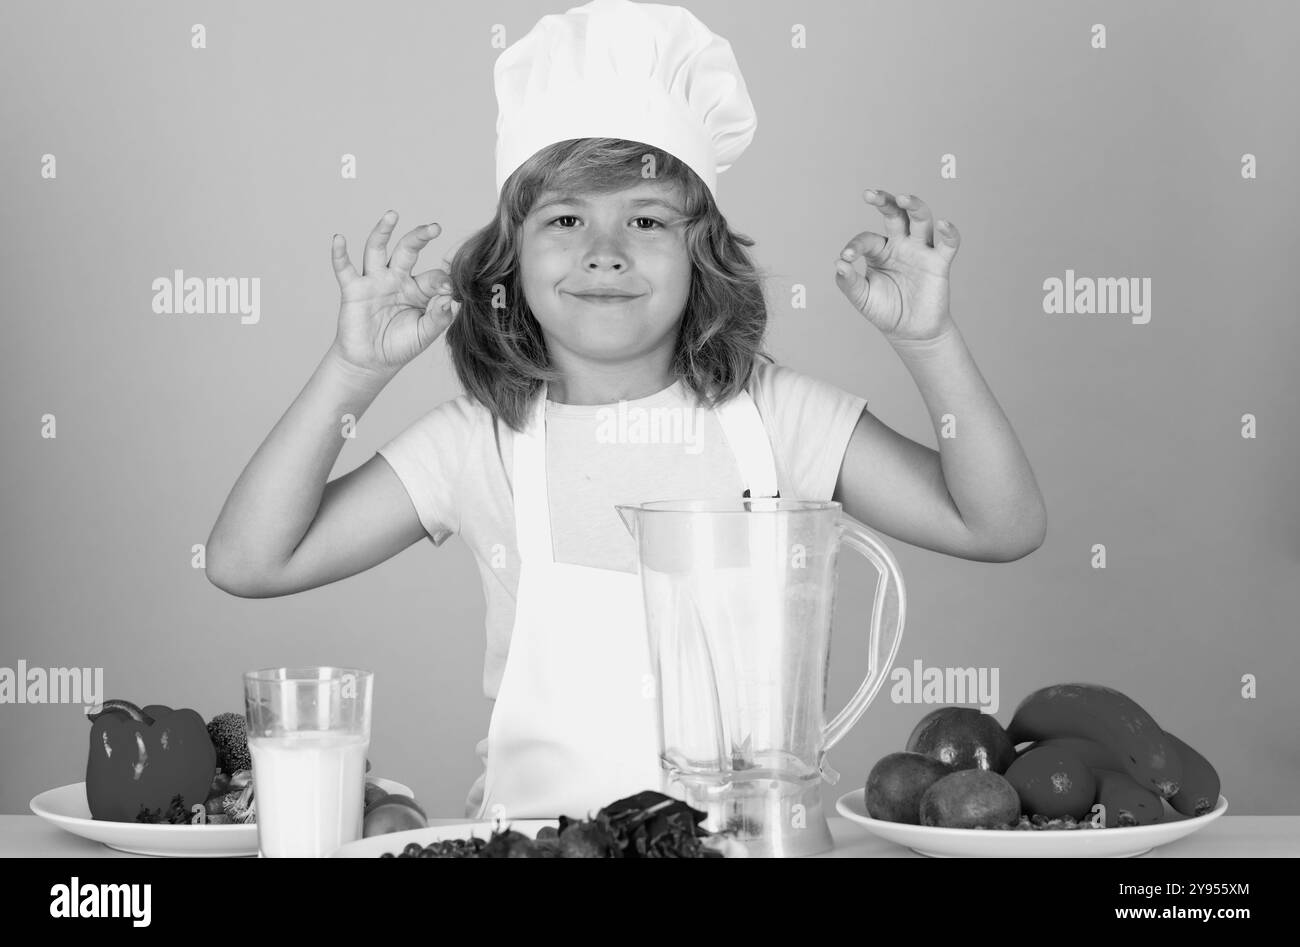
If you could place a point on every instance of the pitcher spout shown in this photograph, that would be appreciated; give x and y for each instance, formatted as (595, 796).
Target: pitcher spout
(628, 514)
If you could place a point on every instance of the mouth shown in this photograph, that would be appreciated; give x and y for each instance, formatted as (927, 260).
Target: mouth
(603, 299)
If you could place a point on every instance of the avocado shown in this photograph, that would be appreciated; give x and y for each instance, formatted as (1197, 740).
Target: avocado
(970, 799)
(964, 738)
(896, 784)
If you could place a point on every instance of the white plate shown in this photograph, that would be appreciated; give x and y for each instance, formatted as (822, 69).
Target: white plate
(1118, 842)
(67, 808)
(394, 842)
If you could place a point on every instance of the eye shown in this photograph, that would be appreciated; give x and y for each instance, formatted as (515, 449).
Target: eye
(656, 223)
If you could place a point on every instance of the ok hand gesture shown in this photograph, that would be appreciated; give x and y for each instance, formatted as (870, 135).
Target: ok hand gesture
(904, 292)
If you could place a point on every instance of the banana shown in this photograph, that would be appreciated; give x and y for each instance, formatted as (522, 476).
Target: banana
(1126, 802)
(1199, 792)
(1105, 716)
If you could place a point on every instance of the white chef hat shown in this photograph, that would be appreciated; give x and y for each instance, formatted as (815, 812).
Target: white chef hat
(645, 72)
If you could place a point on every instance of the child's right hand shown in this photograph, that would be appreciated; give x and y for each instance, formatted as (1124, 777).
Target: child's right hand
(387, 316)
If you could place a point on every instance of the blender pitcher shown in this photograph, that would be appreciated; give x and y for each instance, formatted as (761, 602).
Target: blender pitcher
(739, 596)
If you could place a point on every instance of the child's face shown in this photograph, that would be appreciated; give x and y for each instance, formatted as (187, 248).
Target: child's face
(579, 243)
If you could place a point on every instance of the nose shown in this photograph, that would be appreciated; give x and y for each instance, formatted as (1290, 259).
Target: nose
(605, 253)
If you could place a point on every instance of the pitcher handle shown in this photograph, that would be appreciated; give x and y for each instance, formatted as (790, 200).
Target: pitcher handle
(884, 634)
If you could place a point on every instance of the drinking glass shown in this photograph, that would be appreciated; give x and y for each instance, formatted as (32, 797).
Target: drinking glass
(308, 733)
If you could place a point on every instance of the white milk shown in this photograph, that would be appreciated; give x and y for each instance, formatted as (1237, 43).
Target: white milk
(308, 787)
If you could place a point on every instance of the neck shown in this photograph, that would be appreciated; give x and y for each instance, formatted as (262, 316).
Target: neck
(588, 382)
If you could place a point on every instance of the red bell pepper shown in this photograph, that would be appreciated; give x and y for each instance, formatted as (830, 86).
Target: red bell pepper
(142, 759)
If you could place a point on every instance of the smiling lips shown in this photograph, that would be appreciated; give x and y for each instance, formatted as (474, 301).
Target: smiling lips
(602, 298)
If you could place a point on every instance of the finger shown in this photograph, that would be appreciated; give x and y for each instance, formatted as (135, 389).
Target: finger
(344, 271)
(428, 326)
(872, 247)
(920, 222)
(946, 239)
(853, 284)
(441, 312)
(409, 247)
(895, 217)
(431, 282)
(442, 302)
(377, 244)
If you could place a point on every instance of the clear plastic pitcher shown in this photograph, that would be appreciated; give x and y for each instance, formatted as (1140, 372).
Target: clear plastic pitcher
(739, 597)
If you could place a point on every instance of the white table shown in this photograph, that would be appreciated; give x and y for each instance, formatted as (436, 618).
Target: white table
(27, 836)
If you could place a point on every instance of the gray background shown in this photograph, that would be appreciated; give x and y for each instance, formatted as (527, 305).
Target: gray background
(225, 162)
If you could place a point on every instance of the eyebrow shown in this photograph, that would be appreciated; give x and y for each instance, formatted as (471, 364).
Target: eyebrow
(582, 202)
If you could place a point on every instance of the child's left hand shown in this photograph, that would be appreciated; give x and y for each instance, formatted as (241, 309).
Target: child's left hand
(905, 291)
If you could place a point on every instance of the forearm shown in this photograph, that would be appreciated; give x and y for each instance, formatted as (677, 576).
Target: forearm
(985, 468)
(276, 498)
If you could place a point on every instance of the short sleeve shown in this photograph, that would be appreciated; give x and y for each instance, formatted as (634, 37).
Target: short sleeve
(811, 422)
(428, 457)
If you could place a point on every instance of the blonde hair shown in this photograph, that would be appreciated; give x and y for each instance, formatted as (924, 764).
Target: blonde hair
(499, 353)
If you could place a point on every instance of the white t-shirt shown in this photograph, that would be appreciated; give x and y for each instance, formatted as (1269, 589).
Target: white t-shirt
(456, 464)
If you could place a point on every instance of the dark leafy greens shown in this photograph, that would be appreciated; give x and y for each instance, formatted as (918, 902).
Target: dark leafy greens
(646, 825)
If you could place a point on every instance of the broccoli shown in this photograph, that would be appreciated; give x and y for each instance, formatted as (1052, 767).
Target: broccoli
(229, 734)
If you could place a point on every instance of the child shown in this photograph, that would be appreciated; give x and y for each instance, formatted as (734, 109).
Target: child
(565, 385)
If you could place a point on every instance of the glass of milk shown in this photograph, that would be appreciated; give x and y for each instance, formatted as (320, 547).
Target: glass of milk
(308, 733)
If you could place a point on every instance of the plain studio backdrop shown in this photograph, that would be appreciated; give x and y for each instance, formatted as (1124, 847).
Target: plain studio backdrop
(1120, 162)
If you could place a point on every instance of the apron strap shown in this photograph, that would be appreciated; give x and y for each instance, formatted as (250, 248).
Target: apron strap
(743, 427)
(532, 507)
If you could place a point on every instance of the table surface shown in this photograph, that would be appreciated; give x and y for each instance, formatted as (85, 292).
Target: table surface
(28, 836)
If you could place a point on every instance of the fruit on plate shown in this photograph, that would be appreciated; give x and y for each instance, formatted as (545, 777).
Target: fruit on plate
(373, 793)
(393, 813)
(1108, 717)
(1053, 782)
(1091, 752)
(897, 782)
(1199, 792)
(1125, 802)
(153, 764)
(577, 843)
(970, 799)
(964, 738)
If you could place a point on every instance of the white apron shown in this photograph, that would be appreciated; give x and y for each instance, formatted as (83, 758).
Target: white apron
(575, 725)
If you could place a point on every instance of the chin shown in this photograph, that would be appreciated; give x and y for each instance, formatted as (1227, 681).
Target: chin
(607, 347)
(614, 335)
